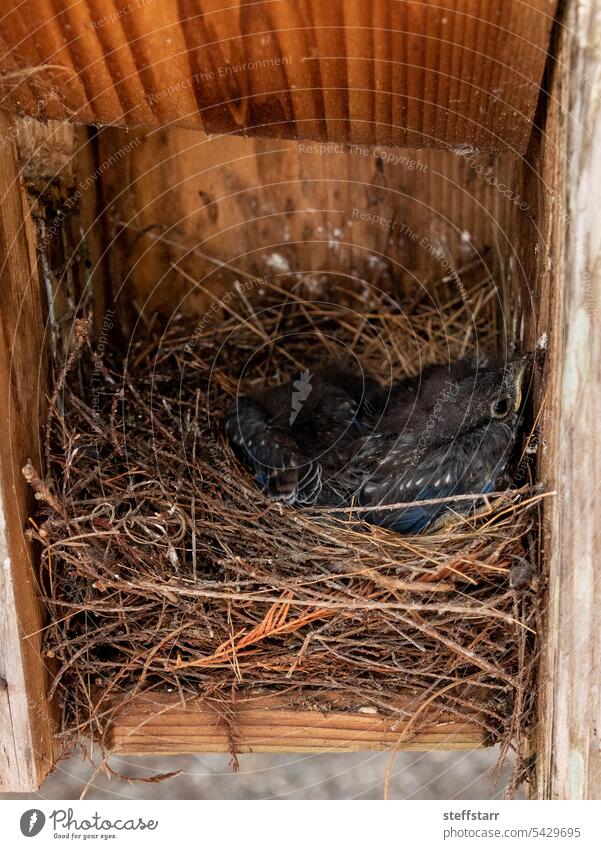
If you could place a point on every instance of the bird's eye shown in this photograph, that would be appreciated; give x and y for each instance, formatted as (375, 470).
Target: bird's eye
(500, 408)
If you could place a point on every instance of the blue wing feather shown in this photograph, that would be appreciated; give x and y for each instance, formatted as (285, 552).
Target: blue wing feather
(441, 473)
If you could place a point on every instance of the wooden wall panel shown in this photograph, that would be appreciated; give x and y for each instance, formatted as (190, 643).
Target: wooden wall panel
(396, 72)
(27, 746)
(568, 738)
(273, 207)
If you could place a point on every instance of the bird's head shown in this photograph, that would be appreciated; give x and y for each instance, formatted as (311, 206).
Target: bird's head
(494, 393)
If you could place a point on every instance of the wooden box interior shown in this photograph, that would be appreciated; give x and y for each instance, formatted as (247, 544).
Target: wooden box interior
(274, 208)
(262, 206)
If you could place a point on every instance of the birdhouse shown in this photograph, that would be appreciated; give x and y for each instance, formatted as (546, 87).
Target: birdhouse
(429, 169)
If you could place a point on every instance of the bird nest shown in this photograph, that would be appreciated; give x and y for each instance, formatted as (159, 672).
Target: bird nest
(164, 568)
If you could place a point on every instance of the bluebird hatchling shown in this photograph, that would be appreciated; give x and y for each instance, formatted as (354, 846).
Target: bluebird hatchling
(337, 438)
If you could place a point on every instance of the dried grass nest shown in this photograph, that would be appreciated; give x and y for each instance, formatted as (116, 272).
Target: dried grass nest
(164, 569)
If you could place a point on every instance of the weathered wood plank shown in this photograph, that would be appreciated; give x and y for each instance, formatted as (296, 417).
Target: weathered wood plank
(26, 719)
(569, 733)
(162, 725)
(411, 73)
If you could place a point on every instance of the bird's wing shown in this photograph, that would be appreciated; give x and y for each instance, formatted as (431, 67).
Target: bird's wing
(403, 479)
(460, 467)
(270, 452)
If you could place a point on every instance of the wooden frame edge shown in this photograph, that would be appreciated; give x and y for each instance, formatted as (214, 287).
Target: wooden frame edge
(162, 724)
(568, 736)
(27, 720)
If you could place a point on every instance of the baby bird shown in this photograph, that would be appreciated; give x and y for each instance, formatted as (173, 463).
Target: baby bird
(337, 438)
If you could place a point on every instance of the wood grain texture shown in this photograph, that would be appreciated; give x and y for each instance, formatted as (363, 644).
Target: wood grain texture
(46, 153)
(161, 725)
(281, 207)
(569, 733)
(396, 72)
(27, 748)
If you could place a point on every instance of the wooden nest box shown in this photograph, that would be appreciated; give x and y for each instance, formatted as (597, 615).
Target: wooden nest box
(314, 138)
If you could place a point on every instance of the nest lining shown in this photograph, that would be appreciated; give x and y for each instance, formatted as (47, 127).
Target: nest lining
(165, 569)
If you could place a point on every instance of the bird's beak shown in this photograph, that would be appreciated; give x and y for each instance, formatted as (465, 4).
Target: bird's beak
(519, 368)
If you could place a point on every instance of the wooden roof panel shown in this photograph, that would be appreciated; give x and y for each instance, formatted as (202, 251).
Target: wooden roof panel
(396, 72)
